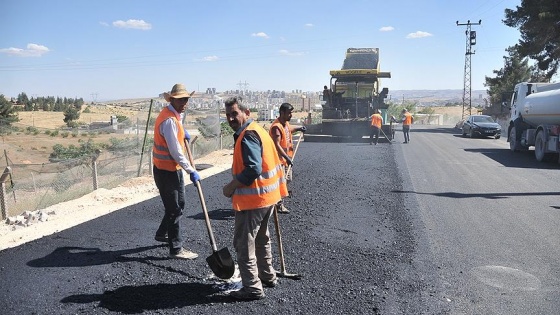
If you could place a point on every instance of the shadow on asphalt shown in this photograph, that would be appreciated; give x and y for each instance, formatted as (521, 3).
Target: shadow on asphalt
(138, 299)
(218, 214)
(71, 256)
(475, 137)
(451, 194)
(430, 130)
(507, 158)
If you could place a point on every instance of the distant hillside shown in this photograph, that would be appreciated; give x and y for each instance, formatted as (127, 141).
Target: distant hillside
(436, 97)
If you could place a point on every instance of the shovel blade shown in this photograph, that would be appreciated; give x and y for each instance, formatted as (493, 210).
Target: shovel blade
(221, 263)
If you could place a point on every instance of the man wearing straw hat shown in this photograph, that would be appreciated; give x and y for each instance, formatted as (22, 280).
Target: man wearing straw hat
(169, 162)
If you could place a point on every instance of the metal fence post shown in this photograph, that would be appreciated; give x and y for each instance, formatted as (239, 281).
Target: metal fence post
(94, 172)
(3, 178)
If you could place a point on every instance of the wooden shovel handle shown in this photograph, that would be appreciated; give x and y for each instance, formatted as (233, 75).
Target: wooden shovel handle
(295, 151)
(201, 196)
(279, 238)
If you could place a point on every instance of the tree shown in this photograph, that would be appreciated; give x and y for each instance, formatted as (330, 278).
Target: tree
(7, 113)
(538, 22)
(516, 69)
(396, 110)
(22, 98)
(71, 114)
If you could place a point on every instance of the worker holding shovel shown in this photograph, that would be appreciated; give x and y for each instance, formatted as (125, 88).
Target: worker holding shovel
(258, 184)
(281, 133)
(169, 163)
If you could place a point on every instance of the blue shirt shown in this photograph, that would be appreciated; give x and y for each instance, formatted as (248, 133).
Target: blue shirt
(251, 151)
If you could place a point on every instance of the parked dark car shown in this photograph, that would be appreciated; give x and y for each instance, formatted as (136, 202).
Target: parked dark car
(481, 126)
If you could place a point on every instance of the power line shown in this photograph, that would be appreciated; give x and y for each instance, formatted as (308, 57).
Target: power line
(467, 91)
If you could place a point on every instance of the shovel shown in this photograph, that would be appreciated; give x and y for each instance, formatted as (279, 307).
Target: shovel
(220, 261)
(300, 139)
(283, 273)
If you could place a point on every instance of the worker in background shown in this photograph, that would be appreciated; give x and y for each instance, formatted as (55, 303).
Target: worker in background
(407, 120)
(376, 122)
(327, 96)
(257, 185)
(169, 163)
(281, 133)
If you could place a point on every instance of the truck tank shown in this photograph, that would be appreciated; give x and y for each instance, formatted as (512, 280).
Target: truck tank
(542, 108)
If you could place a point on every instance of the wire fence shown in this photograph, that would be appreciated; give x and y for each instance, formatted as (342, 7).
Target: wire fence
(30, 187)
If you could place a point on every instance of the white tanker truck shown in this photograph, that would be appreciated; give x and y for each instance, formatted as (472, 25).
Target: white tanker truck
(535, 119)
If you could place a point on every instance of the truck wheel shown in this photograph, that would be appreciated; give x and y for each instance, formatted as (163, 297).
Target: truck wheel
(513, 143)
(540, 148)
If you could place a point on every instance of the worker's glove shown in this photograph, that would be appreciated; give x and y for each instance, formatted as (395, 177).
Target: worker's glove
(187, 136)
(302, 129)
(194, 177)
(290, 162)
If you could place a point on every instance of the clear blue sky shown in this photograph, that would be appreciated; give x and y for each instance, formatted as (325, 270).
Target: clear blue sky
(131, 49)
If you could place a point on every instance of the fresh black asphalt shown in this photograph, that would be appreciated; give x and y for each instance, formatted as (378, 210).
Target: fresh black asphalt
(353, 234)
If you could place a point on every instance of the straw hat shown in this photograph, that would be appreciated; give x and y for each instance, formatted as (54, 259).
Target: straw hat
(178, 91)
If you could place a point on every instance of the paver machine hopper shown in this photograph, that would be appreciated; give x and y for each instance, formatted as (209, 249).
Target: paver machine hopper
(353, 96)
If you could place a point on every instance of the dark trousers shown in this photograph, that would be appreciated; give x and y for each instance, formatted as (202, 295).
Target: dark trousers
(171, 186)
(374, 132)
(406, 133)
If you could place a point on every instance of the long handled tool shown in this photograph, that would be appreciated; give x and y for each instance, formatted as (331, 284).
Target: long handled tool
(220, 261)
(300, 139)
(283, 273)
(383, 132)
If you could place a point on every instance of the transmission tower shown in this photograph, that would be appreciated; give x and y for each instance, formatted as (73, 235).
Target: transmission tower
(471, 41)
(243, 87)
(94, 97)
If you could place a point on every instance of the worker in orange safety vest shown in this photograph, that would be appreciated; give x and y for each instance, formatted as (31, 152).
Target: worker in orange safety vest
(169, 163)
(376, 123)
(281, 133)
(407, 120)
(257, 185)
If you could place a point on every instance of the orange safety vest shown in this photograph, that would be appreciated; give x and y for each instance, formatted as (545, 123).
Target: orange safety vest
(161, 156)
(407, 119)
(270, 186)
(376, 120)
(286, 140)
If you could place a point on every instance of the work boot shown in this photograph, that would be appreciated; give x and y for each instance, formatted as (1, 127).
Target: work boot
(184, 254)
(282, 209)
(162, 239)
(246, 295)
(269, 284)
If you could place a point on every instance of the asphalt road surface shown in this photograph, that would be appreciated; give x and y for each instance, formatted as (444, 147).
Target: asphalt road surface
(442, 225)
(492, 218)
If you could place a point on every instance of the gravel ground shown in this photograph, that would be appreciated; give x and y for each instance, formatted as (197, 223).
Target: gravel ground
(351, 234)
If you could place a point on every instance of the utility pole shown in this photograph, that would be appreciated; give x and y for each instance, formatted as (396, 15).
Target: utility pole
(243, 87)
(471, 41)
(94, 97)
